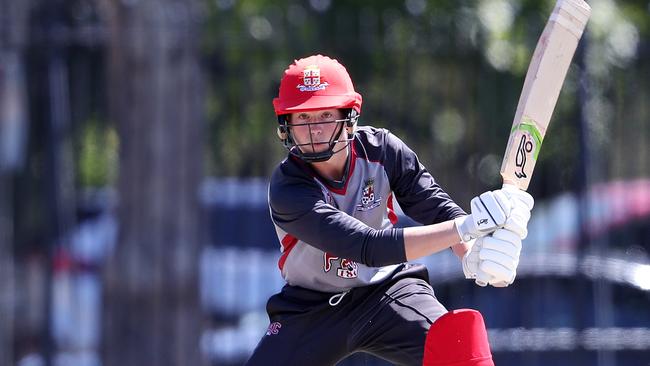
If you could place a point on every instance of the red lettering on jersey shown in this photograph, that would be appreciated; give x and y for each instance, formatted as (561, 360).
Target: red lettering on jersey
(328, 261)
(348, 269)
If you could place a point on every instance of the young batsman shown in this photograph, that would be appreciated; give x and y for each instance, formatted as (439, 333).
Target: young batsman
(349, 287)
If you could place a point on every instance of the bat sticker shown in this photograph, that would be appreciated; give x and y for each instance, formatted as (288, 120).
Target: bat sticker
(529, 145)
(525, 147)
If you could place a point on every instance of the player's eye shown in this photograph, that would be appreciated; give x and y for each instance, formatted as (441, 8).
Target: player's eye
(327, 115)
(303, 117)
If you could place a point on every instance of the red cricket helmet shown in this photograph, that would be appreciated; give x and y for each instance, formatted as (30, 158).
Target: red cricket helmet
(315, 83)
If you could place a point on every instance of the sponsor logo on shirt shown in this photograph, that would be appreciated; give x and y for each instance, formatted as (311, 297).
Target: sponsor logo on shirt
(347, 268)
(368, 198)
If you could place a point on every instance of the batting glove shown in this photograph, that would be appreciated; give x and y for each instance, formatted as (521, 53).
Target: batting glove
(521, 205)
(489, 211)
(499, 256)
(471, 261)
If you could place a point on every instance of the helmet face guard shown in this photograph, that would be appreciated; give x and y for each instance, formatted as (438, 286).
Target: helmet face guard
(315, 83)
(308, 151)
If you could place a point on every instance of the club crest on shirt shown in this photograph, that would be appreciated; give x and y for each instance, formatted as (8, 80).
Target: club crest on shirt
(347, 268)
(369, 199)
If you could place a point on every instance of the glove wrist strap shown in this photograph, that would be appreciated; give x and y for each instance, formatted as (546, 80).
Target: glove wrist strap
(461, 227)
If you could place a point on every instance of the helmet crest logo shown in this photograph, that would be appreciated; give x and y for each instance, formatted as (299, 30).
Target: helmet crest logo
(311, 79)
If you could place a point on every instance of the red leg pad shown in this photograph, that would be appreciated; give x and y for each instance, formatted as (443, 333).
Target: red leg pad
(458, 338)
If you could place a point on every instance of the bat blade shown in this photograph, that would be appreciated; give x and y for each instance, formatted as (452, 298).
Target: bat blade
(546, 72)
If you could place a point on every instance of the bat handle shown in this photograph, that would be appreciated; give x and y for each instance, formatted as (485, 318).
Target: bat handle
(509, 185)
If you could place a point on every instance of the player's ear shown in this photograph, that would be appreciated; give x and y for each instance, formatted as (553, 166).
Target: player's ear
(283, 130)
(351, 122)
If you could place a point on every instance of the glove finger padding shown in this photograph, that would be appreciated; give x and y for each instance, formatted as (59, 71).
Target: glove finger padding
(502, 241)
(471, 260)
(470, 263)
(515, 193)
(518, 224)
(507, 235)
(503, 283)
(499, 255)
(519, 217)
(498, 272)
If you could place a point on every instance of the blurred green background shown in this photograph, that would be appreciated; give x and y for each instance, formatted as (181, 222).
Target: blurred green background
(136, 138)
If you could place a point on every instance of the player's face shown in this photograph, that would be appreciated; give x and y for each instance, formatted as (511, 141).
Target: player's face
(314, 130)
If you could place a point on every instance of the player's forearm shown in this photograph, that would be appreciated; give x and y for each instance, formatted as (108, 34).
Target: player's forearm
(421, 241)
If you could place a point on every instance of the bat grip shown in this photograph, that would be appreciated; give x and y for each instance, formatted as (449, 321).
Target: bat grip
(508, 186)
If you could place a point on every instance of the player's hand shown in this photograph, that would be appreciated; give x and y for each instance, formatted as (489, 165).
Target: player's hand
(498, 256)
(489, 211)
(522, 203)
(471, 261)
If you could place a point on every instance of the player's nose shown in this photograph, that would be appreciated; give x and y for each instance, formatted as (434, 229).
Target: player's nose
(316, 130)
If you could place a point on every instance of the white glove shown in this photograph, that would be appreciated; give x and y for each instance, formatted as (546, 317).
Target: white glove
(471, 263)
(522, 203)
(490, 211)
(499, 256)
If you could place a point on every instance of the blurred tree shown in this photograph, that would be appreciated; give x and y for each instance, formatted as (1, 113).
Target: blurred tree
(152, 314)
(443, 75)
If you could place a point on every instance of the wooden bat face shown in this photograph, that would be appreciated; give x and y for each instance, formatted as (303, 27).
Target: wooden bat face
(544, 79)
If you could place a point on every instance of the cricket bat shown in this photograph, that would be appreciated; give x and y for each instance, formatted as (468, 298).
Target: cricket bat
(546, 72)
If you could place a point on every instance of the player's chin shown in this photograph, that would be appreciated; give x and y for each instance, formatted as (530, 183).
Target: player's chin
(317, 147)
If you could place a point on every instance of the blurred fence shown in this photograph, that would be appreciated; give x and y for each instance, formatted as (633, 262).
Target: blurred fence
(238, 272)
(552, 264)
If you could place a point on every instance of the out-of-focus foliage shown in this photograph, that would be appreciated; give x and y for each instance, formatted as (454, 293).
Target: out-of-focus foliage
(443, 75)
(97, 156)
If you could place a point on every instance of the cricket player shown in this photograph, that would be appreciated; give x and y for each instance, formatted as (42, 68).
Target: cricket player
(349, 287)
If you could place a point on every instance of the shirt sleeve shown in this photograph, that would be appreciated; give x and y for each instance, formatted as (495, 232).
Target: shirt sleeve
(299, 208)
(417, 193)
